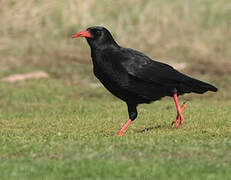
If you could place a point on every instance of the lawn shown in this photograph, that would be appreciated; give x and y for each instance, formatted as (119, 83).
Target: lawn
(48, 132)
(63, 127)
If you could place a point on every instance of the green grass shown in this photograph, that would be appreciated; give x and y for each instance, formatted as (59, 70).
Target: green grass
(49, 132)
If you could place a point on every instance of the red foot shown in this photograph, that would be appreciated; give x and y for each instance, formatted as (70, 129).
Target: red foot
(179, 117)
(119, 134)
(181, 121)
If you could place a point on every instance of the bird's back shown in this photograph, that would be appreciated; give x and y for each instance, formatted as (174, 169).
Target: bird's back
(145, 69)
(132, 76)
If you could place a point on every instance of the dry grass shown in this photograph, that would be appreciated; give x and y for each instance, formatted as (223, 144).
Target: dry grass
(38, 32)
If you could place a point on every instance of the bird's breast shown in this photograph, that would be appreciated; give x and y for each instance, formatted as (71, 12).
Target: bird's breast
(110, 76)
(113, 79)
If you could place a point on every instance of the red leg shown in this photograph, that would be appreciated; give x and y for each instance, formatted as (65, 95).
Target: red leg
(180, 117)
(181, 109)
(120, 133)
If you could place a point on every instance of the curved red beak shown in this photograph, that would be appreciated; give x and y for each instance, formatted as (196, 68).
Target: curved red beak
(82, 34)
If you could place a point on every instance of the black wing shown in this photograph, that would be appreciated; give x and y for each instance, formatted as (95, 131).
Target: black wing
(142, 67)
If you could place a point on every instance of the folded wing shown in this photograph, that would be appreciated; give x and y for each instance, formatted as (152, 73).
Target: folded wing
(142, 67)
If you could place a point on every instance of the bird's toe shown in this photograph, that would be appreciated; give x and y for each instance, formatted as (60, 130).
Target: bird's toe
(119, 134)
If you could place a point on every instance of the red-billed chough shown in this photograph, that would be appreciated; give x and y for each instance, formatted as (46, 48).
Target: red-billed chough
(134, 77)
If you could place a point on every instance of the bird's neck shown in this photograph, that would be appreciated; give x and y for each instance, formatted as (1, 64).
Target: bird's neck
(96, 51)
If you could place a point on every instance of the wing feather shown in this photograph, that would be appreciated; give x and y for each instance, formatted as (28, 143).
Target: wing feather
(142, 67)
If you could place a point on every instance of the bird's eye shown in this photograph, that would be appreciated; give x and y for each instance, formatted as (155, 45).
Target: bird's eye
(98, 33)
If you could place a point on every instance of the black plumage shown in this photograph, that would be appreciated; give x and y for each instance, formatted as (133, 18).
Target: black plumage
(134, 77)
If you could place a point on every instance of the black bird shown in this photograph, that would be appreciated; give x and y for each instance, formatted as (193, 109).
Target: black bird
(135, 78)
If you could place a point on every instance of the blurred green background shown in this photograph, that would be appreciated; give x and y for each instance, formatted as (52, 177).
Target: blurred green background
(37, 34)
(62, 127)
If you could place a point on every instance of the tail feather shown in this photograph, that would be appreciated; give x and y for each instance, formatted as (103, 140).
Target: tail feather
(200, 87)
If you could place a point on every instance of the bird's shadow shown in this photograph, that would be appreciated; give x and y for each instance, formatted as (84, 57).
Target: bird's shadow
(151, 128)
(148, 129)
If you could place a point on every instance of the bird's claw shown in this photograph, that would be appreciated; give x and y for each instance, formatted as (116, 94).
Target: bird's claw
(185, 101)
(119, 134)
(179, 119)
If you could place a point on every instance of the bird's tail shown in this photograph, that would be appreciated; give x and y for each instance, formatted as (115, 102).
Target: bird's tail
(200, 87)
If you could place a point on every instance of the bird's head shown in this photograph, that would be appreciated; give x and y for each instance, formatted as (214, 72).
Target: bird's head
(97, 37)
